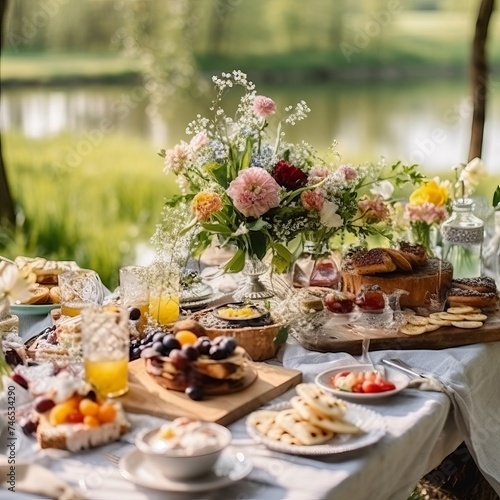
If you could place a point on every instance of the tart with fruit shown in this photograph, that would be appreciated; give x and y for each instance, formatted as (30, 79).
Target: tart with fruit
(67, 414)
(197, 365)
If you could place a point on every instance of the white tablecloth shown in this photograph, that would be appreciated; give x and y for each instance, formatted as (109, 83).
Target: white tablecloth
(422, 429)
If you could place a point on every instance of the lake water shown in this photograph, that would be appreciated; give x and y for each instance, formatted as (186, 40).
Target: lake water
(425, 122)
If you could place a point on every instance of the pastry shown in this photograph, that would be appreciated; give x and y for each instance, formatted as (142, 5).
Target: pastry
(45, 271)
(415, 254)
(425, 283)
(459, 297)
(481, 284)
(376, 260)
(399, 259)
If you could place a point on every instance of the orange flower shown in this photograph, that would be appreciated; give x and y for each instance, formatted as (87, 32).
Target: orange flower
(205, 204)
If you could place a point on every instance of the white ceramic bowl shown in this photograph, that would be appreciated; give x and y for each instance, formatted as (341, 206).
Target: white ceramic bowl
(176, 464)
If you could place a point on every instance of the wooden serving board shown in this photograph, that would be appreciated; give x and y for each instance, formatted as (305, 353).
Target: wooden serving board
(344, 339)
(146, 396)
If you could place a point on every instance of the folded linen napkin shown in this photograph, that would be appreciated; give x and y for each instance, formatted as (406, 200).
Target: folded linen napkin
(35, 479)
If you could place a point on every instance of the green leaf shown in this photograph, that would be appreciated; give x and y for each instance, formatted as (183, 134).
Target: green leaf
(217, 228)
(283, 252)
(281, 337)
(496, 197)
(258, 244)
(217, 172)
(236, 264)
(247, 155)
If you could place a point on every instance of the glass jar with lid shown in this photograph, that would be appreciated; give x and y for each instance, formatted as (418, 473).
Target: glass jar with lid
(462, 237)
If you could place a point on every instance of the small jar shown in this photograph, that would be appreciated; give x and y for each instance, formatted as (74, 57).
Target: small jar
(316, 268)
(463, 236)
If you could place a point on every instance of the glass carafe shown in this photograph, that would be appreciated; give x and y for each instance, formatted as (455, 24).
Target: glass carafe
(463, 236)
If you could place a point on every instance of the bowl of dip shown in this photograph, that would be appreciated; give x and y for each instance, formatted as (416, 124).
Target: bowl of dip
(183, 449)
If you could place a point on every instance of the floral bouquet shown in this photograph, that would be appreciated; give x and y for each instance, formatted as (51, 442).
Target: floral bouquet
(246, 186)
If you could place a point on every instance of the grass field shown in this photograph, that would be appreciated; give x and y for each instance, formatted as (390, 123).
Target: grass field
(93, 213)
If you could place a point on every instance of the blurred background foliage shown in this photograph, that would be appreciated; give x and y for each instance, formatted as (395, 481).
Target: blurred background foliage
(381, 76)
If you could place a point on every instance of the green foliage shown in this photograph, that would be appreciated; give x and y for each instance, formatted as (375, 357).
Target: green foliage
(496, 197)
(94, 213)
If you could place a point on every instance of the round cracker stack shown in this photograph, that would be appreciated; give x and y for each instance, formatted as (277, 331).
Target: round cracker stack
(460, 317)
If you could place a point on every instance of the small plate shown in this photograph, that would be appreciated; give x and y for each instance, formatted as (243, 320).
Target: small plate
(371, 423)
(398, 379)
(231, 467)
(33, 309)
(195, 292)
(258, 312)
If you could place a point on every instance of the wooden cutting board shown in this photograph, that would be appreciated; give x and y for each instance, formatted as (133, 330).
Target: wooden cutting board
(146, 396)
(343, 339)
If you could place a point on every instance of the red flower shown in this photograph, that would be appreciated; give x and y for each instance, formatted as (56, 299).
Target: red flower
(288, 176)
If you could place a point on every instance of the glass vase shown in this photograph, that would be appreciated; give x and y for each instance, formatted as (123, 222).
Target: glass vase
(254, 286)
(463, 236)
(491, 251)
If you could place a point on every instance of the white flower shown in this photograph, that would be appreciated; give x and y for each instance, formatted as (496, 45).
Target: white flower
(198, 141)
(328, 215)
(12, 284)
(383, 189)
(242, 229)
(472, 174)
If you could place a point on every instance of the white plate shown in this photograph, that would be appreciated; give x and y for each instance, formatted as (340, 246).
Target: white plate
(231, 467)
(371, 423)
(400, 380)
(33, 309)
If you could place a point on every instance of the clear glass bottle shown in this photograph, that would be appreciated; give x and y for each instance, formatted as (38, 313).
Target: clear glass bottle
(316, 268)
(463, 236)
(491, 250)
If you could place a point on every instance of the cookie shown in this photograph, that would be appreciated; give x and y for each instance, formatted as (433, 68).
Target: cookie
(320, 401)
(436, 315)
(417, 320)
(452, 317)
(467, 324)
(476, 317)
(305, 432)
(413, 329)
(432, 328)
(440, 322)
(461, 310)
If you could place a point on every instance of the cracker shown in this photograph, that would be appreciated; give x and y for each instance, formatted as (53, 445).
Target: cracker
(467, 324)
(452, 317)
(307, 412)
(335, 425)
(262, 420)
(277, 433)
(417, 320)
(320, 401)
(476, 317)
(432, 328)
(461, 310)
(413, 329)
(440, 322)
(436, 315)
(305, 432)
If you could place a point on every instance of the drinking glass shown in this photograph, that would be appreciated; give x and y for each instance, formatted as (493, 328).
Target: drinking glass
(134, 292)
(79, 289)
(105, 342)
(164, 295)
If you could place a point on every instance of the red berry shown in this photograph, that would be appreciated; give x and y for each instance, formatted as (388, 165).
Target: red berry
(371, 300)
(19, 379)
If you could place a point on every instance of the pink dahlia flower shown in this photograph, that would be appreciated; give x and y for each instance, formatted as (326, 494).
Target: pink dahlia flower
(176, 158)
(254, 192)
(374, 208)
(263, 106)
(317, 174)
(312, 200)
(426, 212)
(348, 172)
(198, 141)
(206, 204)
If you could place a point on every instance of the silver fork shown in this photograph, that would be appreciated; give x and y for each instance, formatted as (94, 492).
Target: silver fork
(401, 365)
(111, 457)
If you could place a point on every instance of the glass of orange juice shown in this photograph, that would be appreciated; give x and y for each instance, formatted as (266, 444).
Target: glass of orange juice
(105, 342)
(79, 289)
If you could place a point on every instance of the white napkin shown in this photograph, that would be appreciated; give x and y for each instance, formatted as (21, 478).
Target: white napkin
(35, 479)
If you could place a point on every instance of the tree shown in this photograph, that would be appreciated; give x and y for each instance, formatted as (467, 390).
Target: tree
(479, 78)
(7, 212)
